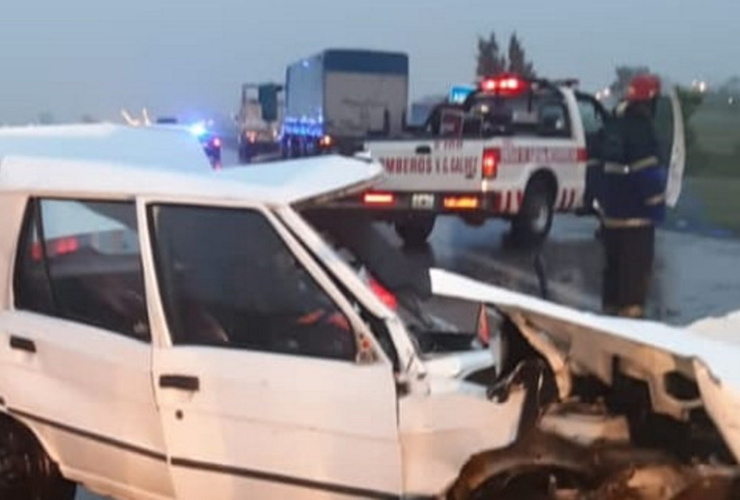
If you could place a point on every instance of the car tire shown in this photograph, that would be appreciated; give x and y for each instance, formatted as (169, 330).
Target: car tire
(26, 470)
(414, 230)
(532, 224)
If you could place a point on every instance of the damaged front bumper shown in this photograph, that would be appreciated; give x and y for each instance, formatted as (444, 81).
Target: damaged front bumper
(611, 408)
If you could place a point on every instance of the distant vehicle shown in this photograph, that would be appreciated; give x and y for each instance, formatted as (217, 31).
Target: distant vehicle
(210, 141)
(336, 99)
(258, 120)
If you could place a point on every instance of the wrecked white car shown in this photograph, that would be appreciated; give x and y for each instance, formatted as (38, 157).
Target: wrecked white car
(191, 335)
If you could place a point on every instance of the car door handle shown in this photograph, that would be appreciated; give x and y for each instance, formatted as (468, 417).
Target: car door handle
(22, 344)
(183, 382)
(423, 150)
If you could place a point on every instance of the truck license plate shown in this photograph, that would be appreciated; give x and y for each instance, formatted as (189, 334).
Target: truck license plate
(422, 201)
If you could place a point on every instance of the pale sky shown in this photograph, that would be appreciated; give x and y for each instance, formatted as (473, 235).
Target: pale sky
(95, 56)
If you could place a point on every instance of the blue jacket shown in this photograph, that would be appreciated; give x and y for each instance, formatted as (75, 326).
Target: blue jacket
(632, 191)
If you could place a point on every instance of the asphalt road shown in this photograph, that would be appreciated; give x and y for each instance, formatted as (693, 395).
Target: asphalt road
(695, 276)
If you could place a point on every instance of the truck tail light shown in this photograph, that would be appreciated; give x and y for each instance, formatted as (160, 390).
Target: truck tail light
(326, 141)
(491, 159)
(461, 202)
(378, 198)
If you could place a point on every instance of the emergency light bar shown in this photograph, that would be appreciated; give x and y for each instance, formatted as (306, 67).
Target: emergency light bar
(505, 84)
(513, 84)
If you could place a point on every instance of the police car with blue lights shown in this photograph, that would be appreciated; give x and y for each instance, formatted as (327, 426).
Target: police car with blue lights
(209, 140)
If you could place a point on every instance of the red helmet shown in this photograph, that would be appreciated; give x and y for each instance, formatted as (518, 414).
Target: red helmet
(643, 87)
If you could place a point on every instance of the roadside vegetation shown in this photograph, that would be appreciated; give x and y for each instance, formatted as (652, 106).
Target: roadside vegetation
(712, 183)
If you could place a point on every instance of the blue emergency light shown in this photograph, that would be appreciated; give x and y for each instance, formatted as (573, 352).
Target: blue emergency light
(198, 129)
(459, 93)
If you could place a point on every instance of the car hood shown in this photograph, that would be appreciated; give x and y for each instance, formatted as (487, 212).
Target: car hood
(309, 181)
(578, 343)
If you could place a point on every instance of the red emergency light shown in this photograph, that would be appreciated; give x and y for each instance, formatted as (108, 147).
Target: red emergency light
(507, 84)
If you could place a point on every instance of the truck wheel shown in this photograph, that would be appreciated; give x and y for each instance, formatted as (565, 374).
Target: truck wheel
(415, 229)
(533, 222)
(26, 471)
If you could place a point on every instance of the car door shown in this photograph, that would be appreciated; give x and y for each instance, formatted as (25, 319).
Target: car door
(76, 353)
(670, 129)
(266, 390)
(593, 116)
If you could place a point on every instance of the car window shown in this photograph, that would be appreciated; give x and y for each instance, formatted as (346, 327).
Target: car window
(228, 279)
(540, 113)
(80, 261)
(592, 120)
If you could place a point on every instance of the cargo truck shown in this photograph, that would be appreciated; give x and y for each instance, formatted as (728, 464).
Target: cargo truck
(338, 98)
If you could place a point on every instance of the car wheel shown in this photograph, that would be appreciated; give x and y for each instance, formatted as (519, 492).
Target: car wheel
(415, 229)
(26, 470)
(533, 222)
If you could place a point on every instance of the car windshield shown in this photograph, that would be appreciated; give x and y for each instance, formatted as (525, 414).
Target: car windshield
(400, 280)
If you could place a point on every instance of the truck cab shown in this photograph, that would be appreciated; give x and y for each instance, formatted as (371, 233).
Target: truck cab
(259, 120)
(338, 98)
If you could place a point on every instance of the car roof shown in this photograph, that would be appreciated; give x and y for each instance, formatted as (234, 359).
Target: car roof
(107, 143)
(57, 162)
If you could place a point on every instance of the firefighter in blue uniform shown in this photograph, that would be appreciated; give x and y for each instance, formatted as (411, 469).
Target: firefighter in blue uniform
(632, 199)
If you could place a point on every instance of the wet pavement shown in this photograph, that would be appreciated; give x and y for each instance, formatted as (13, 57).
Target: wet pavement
(694, 276)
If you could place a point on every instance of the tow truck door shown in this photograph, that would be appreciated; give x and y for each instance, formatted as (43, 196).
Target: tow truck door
(669, 126)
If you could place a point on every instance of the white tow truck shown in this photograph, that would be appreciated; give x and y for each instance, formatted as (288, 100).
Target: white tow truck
(516, 149)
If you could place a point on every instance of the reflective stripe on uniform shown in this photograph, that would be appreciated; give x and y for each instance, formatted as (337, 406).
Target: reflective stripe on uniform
(625, 223)
(647, 162)
(658, 199)
(618, 168)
